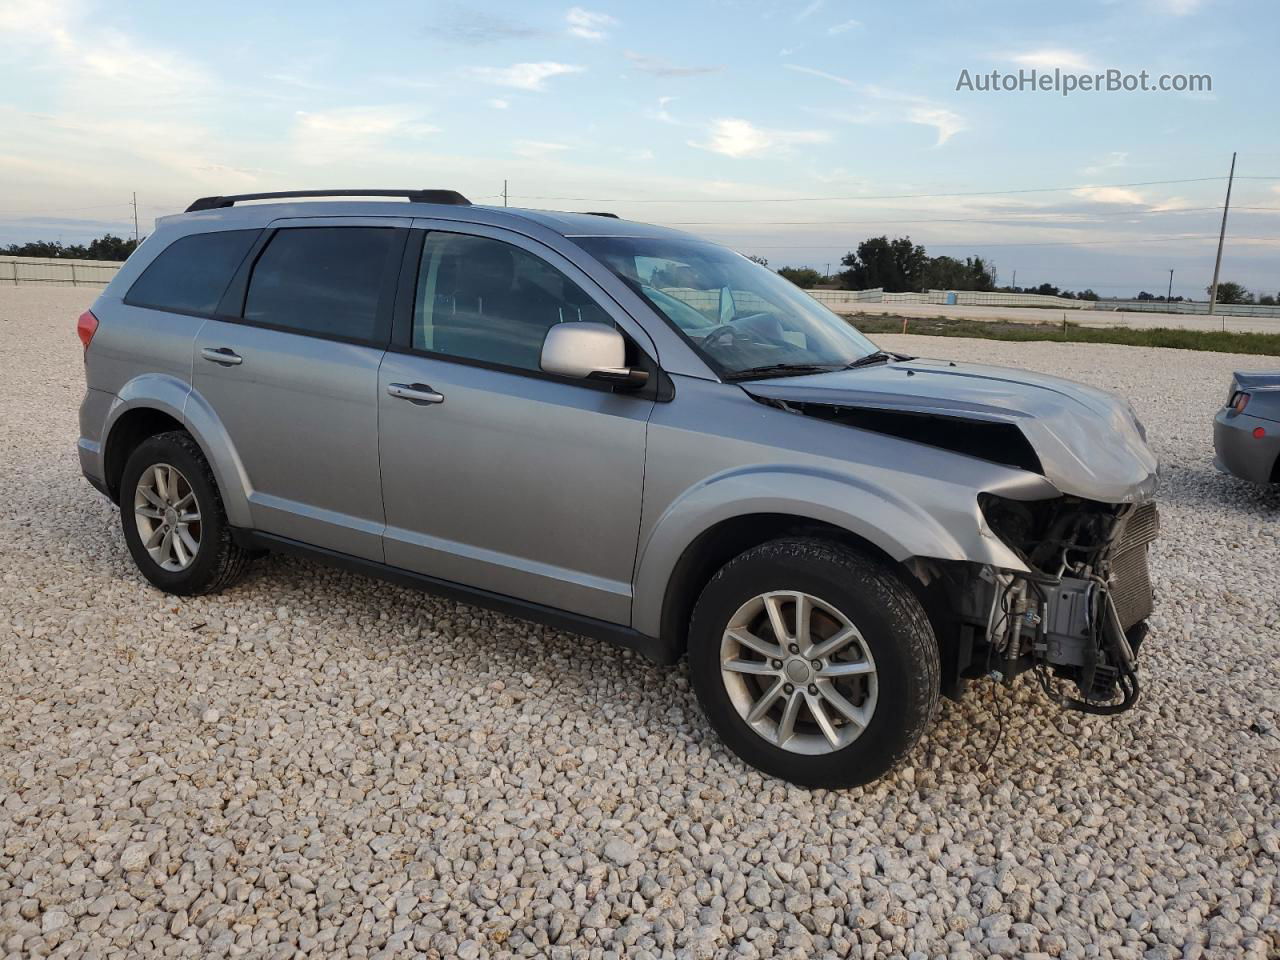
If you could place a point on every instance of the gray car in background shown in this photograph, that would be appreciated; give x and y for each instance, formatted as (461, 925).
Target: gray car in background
(628, 433)
(1246, 431)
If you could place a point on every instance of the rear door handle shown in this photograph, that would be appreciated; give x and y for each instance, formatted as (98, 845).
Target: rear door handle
(223, 355)
(414, 392)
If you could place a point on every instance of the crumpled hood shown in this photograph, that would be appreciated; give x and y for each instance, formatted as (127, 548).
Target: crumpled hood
(1089, 442)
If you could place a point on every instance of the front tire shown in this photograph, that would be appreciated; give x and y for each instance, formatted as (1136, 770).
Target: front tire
(173, 519)
(814, 663)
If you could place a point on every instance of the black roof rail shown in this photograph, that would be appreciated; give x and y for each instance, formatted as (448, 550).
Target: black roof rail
(451, 197)
(599, 213)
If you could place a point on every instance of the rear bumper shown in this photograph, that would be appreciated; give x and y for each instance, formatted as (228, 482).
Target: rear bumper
(93, 418)
(1238, 452)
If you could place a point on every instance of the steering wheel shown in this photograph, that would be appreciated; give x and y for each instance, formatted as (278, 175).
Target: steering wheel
(721, 331)
(747, 327)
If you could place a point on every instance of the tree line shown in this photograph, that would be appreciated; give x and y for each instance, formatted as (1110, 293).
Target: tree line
(108, 247)
(900, 266)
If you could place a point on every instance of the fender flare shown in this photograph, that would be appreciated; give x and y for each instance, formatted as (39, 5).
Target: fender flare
(898, 527)
(173, 396)
(228, 469)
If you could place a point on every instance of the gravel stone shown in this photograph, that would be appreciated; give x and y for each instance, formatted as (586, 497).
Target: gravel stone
(136, 856)
(620, 852)
(314, 763)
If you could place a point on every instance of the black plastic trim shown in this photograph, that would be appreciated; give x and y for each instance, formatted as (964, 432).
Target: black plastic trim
(448, 197)
(651, 647)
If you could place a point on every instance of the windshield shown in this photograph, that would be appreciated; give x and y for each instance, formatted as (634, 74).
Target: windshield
(742, 318)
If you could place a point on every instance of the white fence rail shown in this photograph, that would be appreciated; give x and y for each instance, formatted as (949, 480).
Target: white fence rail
(1189, 306)
(56, 272)
(995, 299)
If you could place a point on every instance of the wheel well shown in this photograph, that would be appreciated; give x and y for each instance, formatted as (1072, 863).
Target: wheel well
(716, 546)
(126, 434)
(1275, 470)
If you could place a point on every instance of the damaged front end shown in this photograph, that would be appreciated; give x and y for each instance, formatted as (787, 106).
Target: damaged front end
(1074, 610)
(1077, 615)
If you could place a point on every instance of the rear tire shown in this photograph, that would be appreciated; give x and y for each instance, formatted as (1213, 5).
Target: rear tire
(861, 666)
(173, 519)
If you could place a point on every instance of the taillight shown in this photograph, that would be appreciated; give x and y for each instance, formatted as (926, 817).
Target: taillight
(1239, 400)
(86, 327)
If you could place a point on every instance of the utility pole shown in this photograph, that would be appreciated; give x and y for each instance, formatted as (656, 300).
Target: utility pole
(1222, 235)
(135, 218)
(1015, 280)
(504, 193)
(1169, 298)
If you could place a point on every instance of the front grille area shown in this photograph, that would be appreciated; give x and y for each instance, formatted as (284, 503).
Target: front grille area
(1130, 578)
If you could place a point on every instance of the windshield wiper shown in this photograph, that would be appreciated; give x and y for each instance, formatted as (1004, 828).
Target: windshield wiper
(779, 370)
(880, 356)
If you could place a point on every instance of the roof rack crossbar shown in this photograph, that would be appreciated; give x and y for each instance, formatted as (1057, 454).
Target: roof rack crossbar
(450, 197)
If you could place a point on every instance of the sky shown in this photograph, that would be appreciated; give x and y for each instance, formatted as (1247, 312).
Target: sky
(788, 130)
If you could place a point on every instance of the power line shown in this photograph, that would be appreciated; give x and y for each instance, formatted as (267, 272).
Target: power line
(890, 196)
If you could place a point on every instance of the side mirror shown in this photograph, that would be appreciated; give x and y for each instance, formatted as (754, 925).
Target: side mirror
(589, 351)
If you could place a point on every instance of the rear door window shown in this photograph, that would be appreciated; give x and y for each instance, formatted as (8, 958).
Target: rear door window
(191, 273)
(324, 281)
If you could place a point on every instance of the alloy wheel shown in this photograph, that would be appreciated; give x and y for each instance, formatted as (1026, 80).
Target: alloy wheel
(167, 515)
(798, 672)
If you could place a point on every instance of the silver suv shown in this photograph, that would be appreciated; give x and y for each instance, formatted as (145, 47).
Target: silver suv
(630, 434)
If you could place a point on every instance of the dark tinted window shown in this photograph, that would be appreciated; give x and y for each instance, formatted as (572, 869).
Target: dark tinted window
(486, 300)
(321, 280)
(191, 274)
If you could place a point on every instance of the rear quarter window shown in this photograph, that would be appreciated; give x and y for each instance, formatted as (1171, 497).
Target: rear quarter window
(192, 273)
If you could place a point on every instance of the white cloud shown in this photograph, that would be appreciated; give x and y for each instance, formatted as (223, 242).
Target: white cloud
(346, 131)
(944, 122)
(920, 110)
(498, 103)
(134, 108)
(737, 138)
(1049, 58)
(588, 24)
(1177, 8)
(537, 149)
(843, 81)
(524, 76)
(662, 113)
(843, 27)
(808, 11)
(1109, 195)
(665, 68)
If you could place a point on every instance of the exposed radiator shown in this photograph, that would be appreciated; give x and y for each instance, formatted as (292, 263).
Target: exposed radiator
(1130, 577)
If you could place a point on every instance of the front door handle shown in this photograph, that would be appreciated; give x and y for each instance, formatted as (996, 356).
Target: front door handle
(418, 393)
(223, 355)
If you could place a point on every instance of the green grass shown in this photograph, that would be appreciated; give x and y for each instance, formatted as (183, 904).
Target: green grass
(1263, 344)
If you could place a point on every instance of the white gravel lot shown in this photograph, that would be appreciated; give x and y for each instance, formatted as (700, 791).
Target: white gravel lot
(318, 764)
